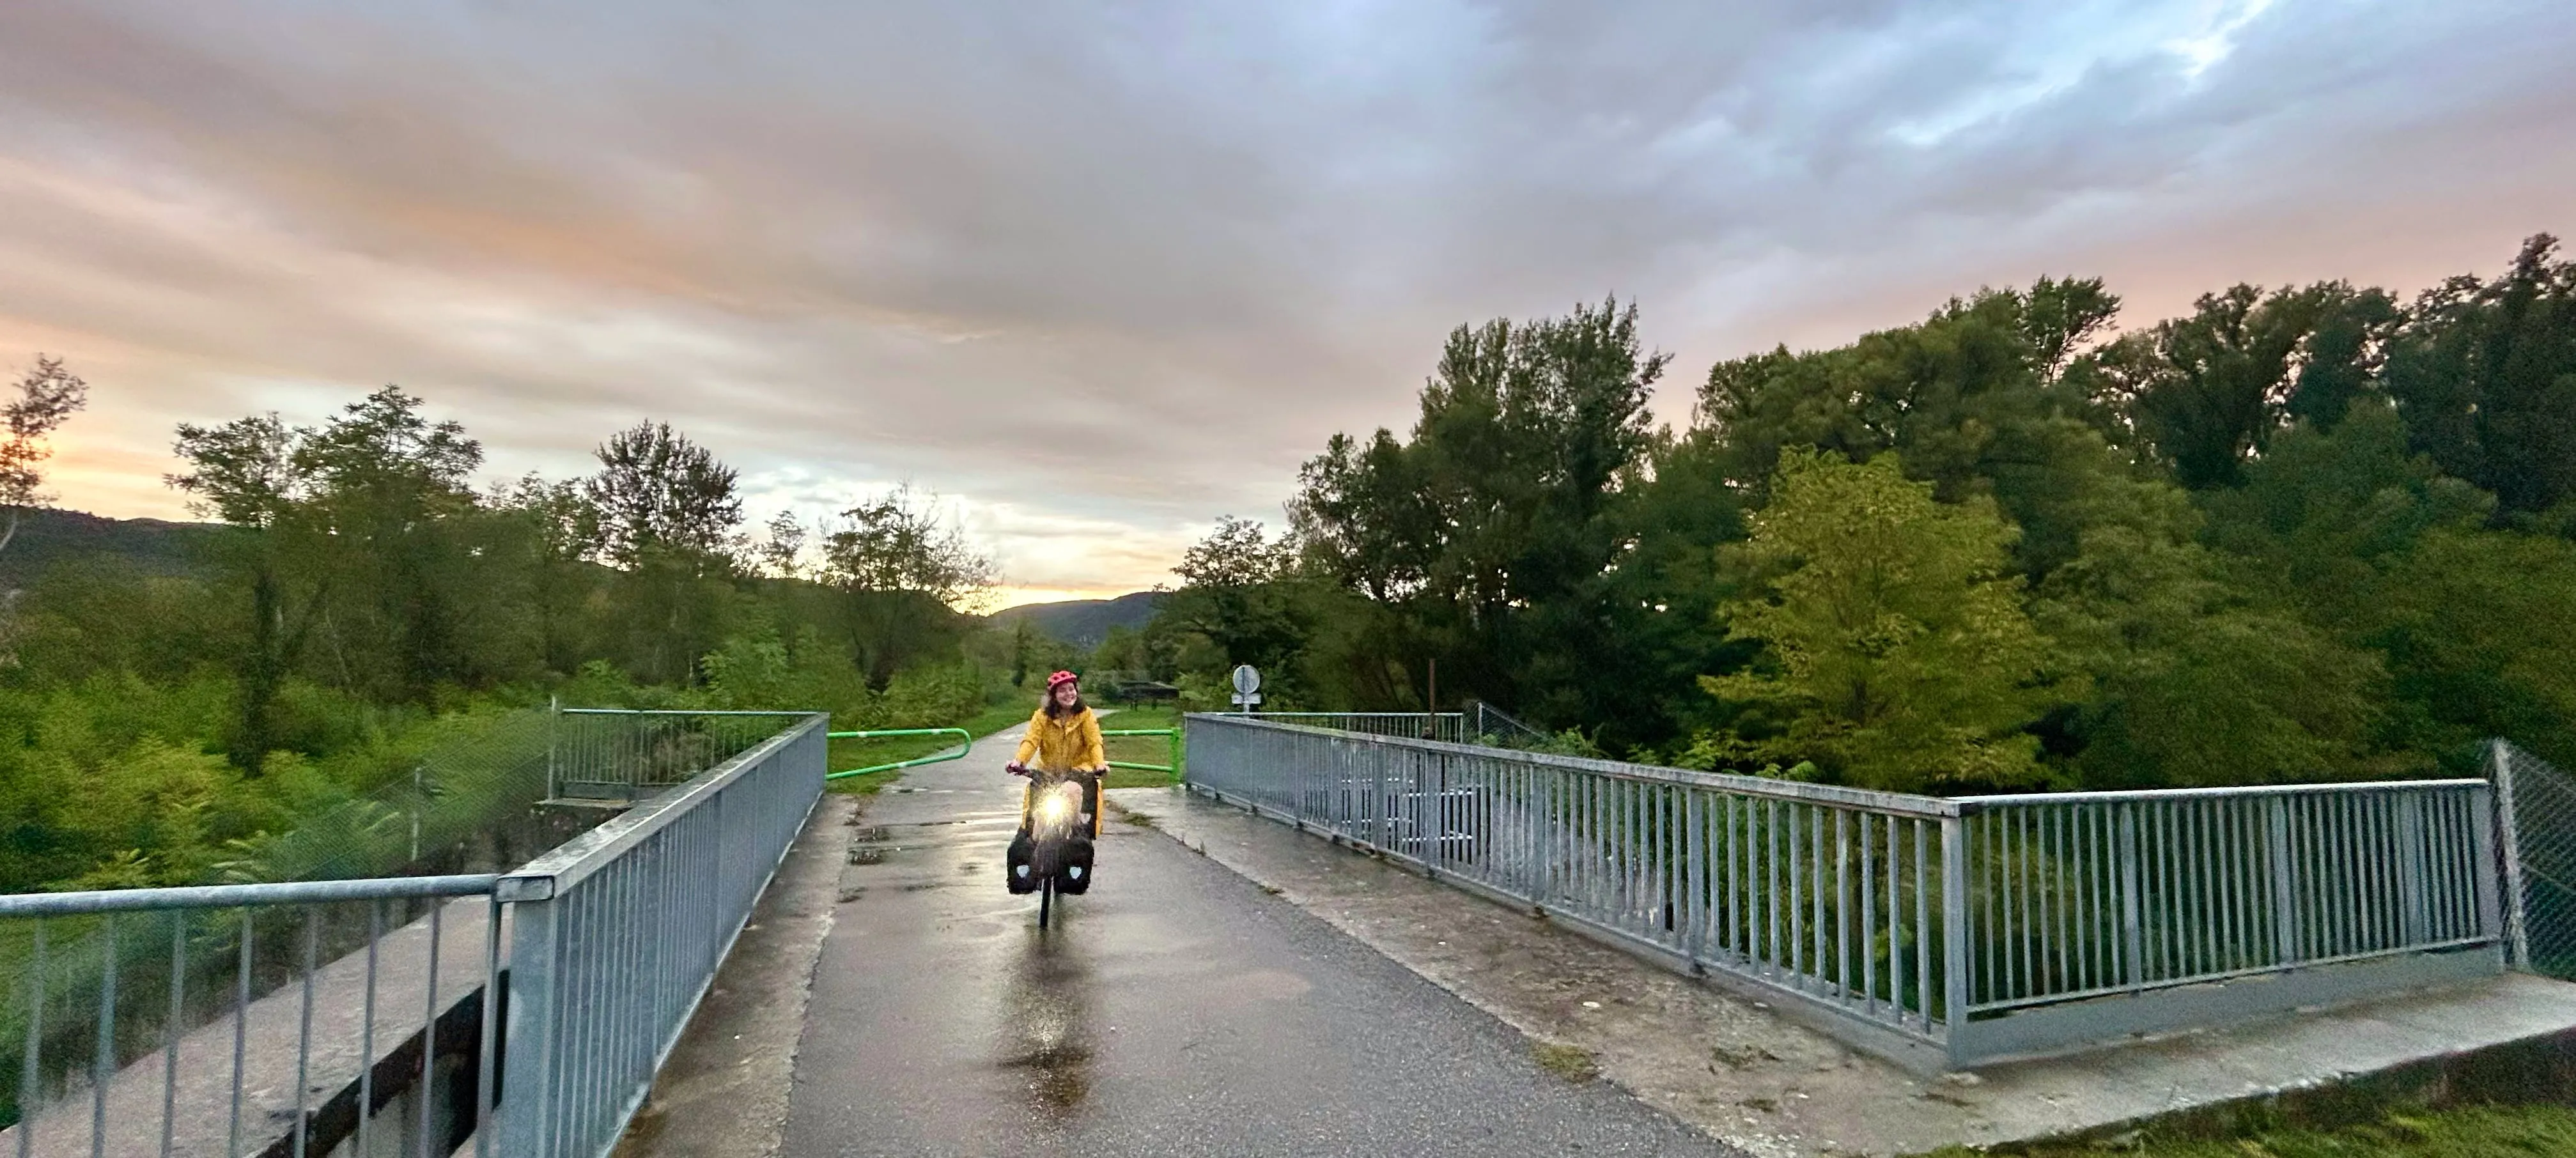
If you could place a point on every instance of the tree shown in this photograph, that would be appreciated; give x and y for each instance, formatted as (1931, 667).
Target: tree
(2189, 679)
(1897, 655)
(2485, 374)
(47, 397)
(2206, 392)
(1982, 398)
(1240, 601)
(391, 491)
(667, 509)
(900, 572)
(1499, 506)
(660, 494)
(545, 534)
(898, 542)
(2381, 550)
(781, 551)
(245, 473)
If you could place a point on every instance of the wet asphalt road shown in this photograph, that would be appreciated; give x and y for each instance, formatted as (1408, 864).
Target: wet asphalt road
(1175, 1009)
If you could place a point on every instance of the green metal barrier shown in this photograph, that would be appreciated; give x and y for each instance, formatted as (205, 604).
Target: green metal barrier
(1173, 735)
(965, 741)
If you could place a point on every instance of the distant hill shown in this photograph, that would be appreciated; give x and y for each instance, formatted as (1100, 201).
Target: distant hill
(1084, 622)
(47, 537)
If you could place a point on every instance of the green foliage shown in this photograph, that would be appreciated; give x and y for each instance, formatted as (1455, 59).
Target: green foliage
(249, 717)
(2207, 391)
(1491, 536)
(1241, 601)
(2485, 372)
(1897, 654)
(896, 571)
(2402, 1131)
(2293, 534)
(2196, 681)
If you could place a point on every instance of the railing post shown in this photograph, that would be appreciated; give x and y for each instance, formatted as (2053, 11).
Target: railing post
(1954, 932)
(2412, 866)
(2285, 906)
(2490, 920)
(1694, 877)
(2516, 933)
(1377, 808)
(554, 744)
(2133, 941)
(522, 1114)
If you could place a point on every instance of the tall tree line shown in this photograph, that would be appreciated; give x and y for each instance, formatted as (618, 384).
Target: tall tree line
(2301, 533)
(364, 589)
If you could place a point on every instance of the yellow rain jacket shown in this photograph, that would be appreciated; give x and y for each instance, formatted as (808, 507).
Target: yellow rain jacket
(1063, 744)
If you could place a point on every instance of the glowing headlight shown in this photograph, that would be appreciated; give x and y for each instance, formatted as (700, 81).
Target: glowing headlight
(1054, 808)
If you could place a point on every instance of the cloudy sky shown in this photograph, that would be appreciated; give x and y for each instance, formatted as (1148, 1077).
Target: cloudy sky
(1099, 273)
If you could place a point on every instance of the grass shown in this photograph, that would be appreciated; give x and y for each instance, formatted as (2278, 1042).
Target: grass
(1141, 749)
(1572, 1063)
(2473, 1131)
(848, 754)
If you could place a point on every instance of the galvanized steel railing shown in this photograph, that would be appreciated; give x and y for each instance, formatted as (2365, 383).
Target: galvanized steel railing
(618, 756)
(1448, 726)
(213, 995)
(1939, 932)
(193, 1020)
(618, 934)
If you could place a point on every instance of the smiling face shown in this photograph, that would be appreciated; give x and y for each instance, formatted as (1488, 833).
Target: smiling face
(1066, 693)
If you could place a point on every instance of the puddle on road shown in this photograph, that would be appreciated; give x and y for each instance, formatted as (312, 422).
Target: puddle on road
(1046, 1028)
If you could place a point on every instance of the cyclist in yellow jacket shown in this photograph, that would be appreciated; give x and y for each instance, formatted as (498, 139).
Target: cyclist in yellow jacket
(1063, 737)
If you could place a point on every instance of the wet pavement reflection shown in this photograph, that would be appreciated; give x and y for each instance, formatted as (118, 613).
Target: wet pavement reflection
(1173, 1009)
(1045, 1036)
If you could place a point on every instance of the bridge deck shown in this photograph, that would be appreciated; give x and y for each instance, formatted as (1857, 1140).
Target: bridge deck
(1178, 1009)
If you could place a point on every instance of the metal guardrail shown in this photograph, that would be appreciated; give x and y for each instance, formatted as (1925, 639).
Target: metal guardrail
(601, 949)
(618, 934)
(1447, 726)
(147, 961)
(1937, 932)
(617, 756)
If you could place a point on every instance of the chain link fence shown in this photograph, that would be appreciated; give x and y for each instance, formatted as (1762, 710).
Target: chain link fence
(1496, 728)
(2539, 803)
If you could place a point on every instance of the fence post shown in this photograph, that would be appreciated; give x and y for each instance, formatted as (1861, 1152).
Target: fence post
(522, 1114)
(2285, 906)
(1954, 932)
(2133, 941)
(2411, 868)
(2490, 916)
(554, 742)
(1378, 802)
(1695, 879)
(2517, 934)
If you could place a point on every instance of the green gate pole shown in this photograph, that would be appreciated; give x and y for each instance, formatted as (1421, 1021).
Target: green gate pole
(1172, 736)
(965, 742)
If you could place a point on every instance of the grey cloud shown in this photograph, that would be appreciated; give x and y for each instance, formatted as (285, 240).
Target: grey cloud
(1148, 255)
